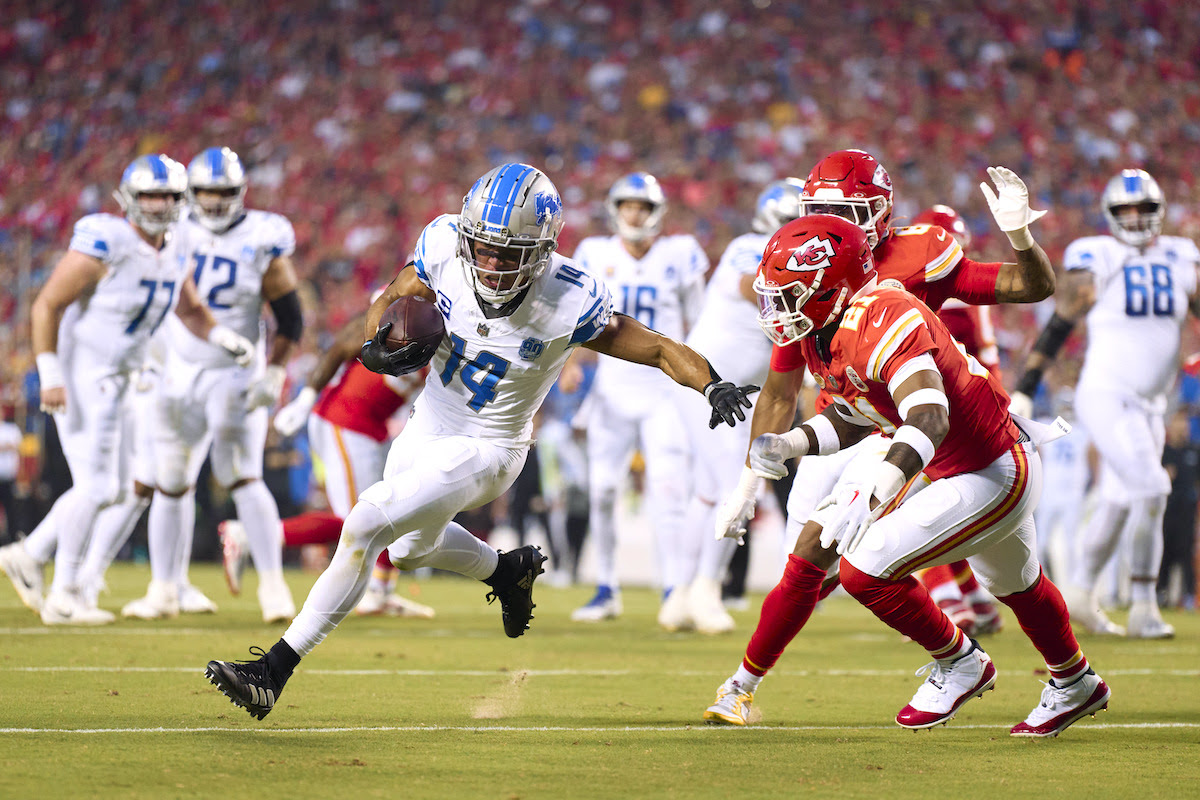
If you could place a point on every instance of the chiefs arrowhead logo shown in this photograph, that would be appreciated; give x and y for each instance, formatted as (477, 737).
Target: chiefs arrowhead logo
(812, 255)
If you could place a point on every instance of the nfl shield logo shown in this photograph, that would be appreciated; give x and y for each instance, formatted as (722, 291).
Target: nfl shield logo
(531, 349)
(482, 329)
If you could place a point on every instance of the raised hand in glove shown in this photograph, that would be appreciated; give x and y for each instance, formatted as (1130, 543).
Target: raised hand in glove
(727, 402)
(1009, 203)
(377, 357)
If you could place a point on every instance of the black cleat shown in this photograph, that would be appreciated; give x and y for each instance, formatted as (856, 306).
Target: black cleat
(516, 572)
(248, 684)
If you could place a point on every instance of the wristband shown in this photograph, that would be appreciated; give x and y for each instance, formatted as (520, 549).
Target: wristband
(748, 484)
(827, 436)
(1021, 239)
(50, 375)
(917, 439)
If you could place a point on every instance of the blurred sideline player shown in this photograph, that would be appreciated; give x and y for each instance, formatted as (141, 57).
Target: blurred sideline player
(659, 281)
(953, 586)
(514, 311)
(240, 258)
(728, 334)
(928, 262)
(1135, 287)
(347, 408)
(897, 369)
(91, 321)
(1066, 473)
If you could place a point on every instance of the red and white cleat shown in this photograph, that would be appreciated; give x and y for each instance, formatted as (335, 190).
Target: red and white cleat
(1063, 705)
(947, 688)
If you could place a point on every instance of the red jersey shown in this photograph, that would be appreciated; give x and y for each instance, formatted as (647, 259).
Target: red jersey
(930, 264)
(362, 401)
(972, 326)
(878, 334)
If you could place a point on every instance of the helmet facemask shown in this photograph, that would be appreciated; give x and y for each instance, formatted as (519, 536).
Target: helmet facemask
(1134, 207)
(781, 308)
(868, 213)
(151, 193)
(519, 263)
(642, 187)
(216, 188)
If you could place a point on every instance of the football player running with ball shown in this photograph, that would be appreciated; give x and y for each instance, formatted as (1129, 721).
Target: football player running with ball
(897, 369)
(514, 311)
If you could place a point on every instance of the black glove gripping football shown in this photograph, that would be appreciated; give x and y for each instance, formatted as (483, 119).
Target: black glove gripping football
(727, 402)
(411, 357)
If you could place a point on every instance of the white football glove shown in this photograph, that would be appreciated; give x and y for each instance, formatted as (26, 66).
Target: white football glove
(849, 515)
(734, 515)
(232, 342)
(1021, 405)
(768, 452)
(292, 417)
(1010, 206)
(265, 390)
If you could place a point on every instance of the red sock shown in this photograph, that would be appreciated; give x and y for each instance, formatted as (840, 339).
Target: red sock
(964, 576)
(935, 576)
(784, 611)
(383, 563)
(906, 606)
(312, 527)
(1043, 616)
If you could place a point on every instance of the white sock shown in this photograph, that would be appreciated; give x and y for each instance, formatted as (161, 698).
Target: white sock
(165, 532)
(946, 591)
(41, 544)
(82, 510)
(187, 533)
(747, 679)
(1097, 541)
(603, 533)
(259, 515)
(113, 528)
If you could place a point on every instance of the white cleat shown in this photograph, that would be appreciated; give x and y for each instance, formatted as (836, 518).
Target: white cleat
(401, 606)
(161, 602)
(25, 574)
(675, 614)
(708, 612)
(1145, 622)
(373, 604)
(194, 601)
(732, 706)
(235, 552)
(1061, 706)
(947, 688)
(275, 597)
(1085, 611)
(606, 604)
(68, 608)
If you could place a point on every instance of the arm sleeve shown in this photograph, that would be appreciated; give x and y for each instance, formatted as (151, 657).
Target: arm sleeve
(786, 359)
(973, 282)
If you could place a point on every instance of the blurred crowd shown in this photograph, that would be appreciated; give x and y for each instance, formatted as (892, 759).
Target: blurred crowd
(361, 120)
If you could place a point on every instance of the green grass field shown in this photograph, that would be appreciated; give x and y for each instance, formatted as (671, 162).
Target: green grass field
(452, 708)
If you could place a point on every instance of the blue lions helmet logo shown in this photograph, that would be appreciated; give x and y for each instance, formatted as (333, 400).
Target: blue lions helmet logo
(531, 349)
(548, 206)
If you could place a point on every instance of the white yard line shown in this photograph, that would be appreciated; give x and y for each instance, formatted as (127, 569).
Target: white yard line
(589, 673)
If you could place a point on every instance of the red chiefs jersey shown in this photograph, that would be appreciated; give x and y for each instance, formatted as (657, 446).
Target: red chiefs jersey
(878, 334)
(930, 264)
(362, 401)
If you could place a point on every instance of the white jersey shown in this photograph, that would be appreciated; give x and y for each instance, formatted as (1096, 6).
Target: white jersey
(1141, 302)
(490, 376)
(228, 268)
(727, 332)
(140, 288)
(663, 290)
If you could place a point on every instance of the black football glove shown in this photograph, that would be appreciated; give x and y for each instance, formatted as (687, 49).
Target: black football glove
(376, 357)
(727, 402)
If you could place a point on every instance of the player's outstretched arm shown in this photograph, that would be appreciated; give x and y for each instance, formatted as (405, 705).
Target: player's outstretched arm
(75, 275)
(1075, 298)
(279, 287)
(627, 339)
(196, 317)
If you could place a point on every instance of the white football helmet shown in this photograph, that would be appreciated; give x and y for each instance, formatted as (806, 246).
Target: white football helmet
(777, 204)
(217, 169)
(156, 175)
(637, 186)
(515, 212)
(1134, 188)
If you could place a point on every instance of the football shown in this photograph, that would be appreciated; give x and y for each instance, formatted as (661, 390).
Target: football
(414, 319)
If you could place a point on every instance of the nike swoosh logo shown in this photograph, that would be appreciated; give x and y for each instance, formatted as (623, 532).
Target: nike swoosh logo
(878, 322)
(941, 236)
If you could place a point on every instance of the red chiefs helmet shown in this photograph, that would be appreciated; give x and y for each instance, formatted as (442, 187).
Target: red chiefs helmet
(948, 218)
(851, 184)
(810, 270)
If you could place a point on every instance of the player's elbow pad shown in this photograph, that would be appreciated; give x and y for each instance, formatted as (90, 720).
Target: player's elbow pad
(288, 319)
